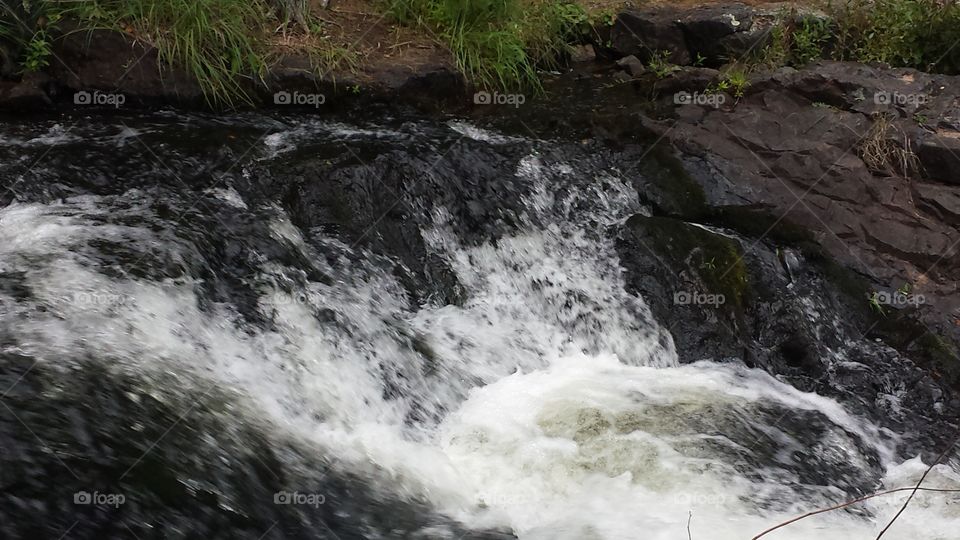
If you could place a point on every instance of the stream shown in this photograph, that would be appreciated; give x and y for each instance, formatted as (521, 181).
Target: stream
(273, 326)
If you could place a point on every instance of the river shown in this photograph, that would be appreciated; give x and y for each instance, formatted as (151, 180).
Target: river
(271, 326)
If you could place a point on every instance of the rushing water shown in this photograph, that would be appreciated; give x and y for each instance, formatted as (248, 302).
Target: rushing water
(526, 392)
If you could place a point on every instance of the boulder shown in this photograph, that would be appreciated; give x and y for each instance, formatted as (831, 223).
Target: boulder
(939, 154)
(583, 53)
(649, 32)
(717, 33)
(632, 65)
(30, 93)
(941, 201)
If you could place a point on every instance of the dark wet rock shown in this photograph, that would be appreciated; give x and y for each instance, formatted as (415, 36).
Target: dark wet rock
(939, 154)
(32, 91)
(688, 78)
(785, 312)
(941, 201)
(112, 62)
(794, 146)
(583, 53)
(645, 33)
(684, 268)
(717, 34)
(632, 65)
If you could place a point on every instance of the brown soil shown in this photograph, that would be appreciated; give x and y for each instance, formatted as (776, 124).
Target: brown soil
(373, 41)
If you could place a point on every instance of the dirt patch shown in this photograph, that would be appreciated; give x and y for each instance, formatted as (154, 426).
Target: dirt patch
(358, 40)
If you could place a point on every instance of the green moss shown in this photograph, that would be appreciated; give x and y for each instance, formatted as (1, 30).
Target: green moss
(716, 261)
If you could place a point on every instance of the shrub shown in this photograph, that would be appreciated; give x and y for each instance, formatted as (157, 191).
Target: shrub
(24, 44)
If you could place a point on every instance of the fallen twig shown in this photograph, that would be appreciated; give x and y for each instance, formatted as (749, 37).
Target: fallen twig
(848, 503)
(942, 455)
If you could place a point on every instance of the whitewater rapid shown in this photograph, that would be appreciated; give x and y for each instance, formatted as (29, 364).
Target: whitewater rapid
(550, 402)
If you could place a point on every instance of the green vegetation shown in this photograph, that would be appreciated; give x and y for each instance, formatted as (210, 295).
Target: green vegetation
(913, 33)
(810, 39)
(660, 65)
(222, 43)
(499, 43)
(22, 34)
(734, 79)
(214, 40)
(904, 33)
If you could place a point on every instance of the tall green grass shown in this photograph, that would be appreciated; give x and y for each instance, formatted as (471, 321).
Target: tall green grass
(219, 42)
(922, 34)
(498, 43)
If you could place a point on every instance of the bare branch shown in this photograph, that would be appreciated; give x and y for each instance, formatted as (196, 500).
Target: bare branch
(852, 502)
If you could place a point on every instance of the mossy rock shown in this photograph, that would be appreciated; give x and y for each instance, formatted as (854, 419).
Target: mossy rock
(715, 261)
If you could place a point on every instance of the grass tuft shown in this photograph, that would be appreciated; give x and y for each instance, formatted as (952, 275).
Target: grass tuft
(499, 43)
(217, 41)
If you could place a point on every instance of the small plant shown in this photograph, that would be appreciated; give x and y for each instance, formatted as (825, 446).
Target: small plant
(776, 52)
(23, 38)
(605, 17)
(875, 304)
(710, 265)
(737, 80)
(37, 53)
(718, 87)
(905, 289)
(809, 40)
(660, 65)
